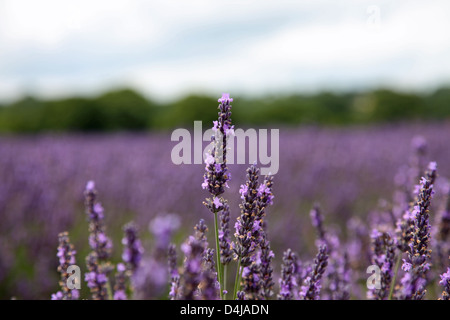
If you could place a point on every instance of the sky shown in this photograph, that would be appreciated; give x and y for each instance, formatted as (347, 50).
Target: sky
(168, 49)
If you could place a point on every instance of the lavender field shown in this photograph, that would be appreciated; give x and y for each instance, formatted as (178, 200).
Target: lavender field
(360, 176)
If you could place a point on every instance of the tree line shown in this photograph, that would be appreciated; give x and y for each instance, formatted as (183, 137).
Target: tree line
(126, 109)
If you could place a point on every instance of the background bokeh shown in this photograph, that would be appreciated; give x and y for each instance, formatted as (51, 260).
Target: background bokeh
(91, 90)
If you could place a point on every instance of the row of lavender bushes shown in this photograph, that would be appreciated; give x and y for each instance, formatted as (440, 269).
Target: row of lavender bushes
(399, 240)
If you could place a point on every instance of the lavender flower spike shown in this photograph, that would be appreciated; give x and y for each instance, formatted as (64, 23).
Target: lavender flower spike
(97, 277)
(66, 255)
(98, 240)
(251, 276)
(216, 175)
(288, 281)
(209, 285)
(226, 250)
(383, 256)
(267, 282)
(416, 265)
(445, 282)
(317, 221)
(133, 250)
(97, 264)
(246, 224)
(192, 274)
(120, 285)
(312, 285)
(174, 292)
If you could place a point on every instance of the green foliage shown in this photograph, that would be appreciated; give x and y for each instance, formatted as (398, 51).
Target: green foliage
(126, 109)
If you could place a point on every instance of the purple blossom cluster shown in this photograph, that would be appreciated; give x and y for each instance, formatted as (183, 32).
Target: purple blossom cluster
(216, 175)
(288, 279)
(445, 282)
(312, 284)
(66, 255)
(174, 291)
(120, 286)
(193, 250)
(383, 257)
(133, 250)
(226, 249)
(97, 262)
(417, 264)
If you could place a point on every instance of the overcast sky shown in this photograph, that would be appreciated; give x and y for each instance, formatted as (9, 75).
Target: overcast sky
(167, 49)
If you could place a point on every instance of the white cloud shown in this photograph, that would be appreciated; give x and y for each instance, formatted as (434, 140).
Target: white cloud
(169, 48)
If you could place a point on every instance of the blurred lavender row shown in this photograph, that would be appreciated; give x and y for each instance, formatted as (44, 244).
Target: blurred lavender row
(355, 173)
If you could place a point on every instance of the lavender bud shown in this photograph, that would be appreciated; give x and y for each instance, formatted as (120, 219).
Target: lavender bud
(418, 251)
(193, 250)
(312, 284)
(267, 282)
(98, 240)
(241, 295)
(120, 284)
(173, 273)
(224, 235)
(97, 277)
(383, 256)
(133, 250)
(317, 222)
(445, 282)
(209, 286)
(246, 224)
(288, 279)
(66, 256)
(216, 172)
(252, 281)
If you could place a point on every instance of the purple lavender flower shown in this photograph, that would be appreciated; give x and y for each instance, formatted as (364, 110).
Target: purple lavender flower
(57, 296)
(66, 256)
(96, 277)
(133, 250)
(443, 231)
(216, 175)
(418, 249)
(245, 225)
(265, 198)
(120, 284)
(241, 295)
(163, 227)
(200, 232)
(209, 284)
(251, 278)
(317, 222)
(192, 274)
(288, 283)
(174, 292)
(338, 271)
(383, 256)
(224, 235)
(445, 282)
(312, 284)
(97, 264)
(150, 280)
(266, 271)
(98, 240)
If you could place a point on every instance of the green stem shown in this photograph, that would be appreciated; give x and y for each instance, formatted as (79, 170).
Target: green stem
(237, 282)
(397, 265)
(109, 290)
(219, 264)
(224, 281)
